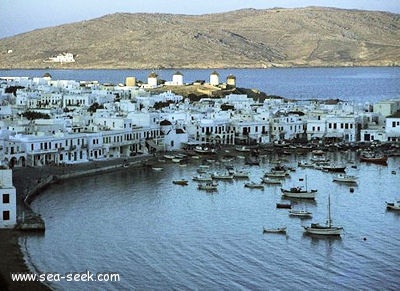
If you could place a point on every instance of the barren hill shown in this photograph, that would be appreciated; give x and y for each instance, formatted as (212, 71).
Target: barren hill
(310, 36)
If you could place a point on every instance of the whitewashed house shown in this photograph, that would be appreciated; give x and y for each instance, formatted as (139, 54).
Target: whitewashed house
(177, 79)
(8, 200)
(393, 127)
(214, 79)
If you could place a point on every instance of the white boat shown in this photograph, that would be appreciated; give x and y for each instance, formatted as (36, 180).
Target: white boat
(328, 229)
(300, 213)
(176, 160)
(304, 164)
(343, 178)
(202, 178)
(204, 150)
(169, 157)
(254, 185)
(222, 176)
(298, 192)
(157, 169)
(393, 205)
(208, 186)
(271, 181)
(242, 149)
(277, 175)
(281, 230)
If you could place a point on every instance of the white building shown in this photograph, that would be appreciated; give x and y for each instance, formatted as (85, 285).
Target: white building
(177, 79)
(8, 200)
(62, 58)
(393, 127)
(152, 80)
(214, 78)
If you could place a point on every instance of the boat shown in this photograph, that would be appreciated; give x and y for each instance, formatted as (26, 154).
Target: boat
(328, 229)
(281, 230)
(271, 181)
(333, 168)
(157, 169)
(318, 152)
(242, 149)
(182, 182)
(222, 176)
(304, 164)
(169, 157)
(276, 175)
(300, 213)
(284, 205)
(208, 186)
(202, 178)
(241, 174)
(176, 160)
(375, 158)
(254, 185)
(342, 178)
(393, 205)
(298, 192)
(204, 150)
(252, 161)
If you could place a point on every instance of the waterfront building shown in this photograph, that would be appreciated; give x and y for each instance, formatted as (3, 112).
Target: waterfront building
(344, 128)
(287, 127)
(130, 81)
(393, 127)
(8, 200)
(373, 134)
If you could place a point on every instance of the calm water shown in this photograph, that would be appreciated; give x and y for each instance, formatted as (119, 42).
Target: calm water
(163, 236)
(355, 84)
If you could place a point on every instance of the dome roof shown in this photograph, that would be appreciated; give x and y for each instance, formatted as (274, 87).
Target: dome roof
(153, 75)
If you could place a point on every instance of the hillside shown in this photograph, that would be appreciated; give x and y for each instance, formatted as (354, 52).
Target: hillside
(310, 36)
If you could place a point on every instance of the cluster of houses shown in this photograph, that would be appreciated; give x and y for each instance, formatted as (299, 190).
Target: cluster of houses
(85, 121)
(56, 122)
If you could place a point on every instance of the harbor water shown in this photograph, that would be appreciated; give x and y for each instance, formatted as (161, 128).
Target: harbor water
(157, 235)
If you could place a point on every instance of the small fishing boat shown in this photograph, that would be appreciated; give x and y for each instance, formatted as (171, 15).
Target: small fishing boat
(208, 186)
(375, 158)
(182, 182)
(342, 178)
(281, 230)
(393, 205)
(241, 174)
(169, 157)
(328, 229)
(157, 169)
(242, 149)
(222, 176)
(284, 205)
(254, 185)
(333, 168)
(202, 178)
(300, 213)
(271, 181)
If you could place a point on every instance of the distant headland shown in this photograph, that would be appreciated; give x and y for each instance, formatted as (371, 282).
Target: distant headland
(248, 38)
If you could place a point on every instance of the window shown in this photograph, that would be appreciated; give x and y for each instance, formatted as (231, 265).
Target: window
(6, 198)
(6, 215)
(394, 124)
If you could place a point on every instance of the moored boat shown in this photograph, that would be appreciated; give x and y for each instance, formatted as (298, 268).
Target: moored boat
(333, 168)
(375, 158)
(328, 229)
(243, 149)
(202, 178)
(342, 178)
(298, 192)
(222, 176)
(208, 186)
(254, 185)
(271, 181)
(284, 205)
(157, 169)
(281, 230)
(393, 205)
(300, 213)
(182, 182)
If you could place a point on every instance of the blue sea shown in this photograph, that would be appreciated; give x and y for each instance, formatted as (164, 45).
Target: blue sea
(352, 84)
(161, 236)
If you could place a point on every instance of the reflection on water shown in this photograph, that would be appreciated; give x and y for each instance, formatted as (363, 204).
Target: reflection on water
(159, 235)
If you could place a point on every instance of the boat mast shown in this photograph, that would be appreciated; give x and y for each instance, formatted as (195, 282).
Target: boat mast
(329, 211)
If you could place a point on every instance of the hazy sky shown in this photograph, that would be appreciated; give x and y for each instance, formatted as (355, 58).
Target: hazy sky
(17, 16)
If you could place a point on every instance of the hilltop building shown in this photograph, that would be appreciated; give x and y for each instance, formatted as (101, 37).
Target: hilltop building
(231, 80)
(152, 80)
(214, 78)
(177, 79)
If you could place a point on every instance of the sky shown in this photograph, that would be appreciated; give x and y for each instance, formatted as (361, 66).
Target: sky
(18, 16)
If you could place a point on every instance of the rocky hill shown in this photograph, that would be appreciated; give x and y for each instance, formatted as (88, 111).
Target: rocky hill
(311, 36)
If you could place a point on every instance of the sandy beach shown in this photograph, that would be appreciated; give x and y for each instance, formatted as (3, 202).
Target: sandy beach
(25, 179)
